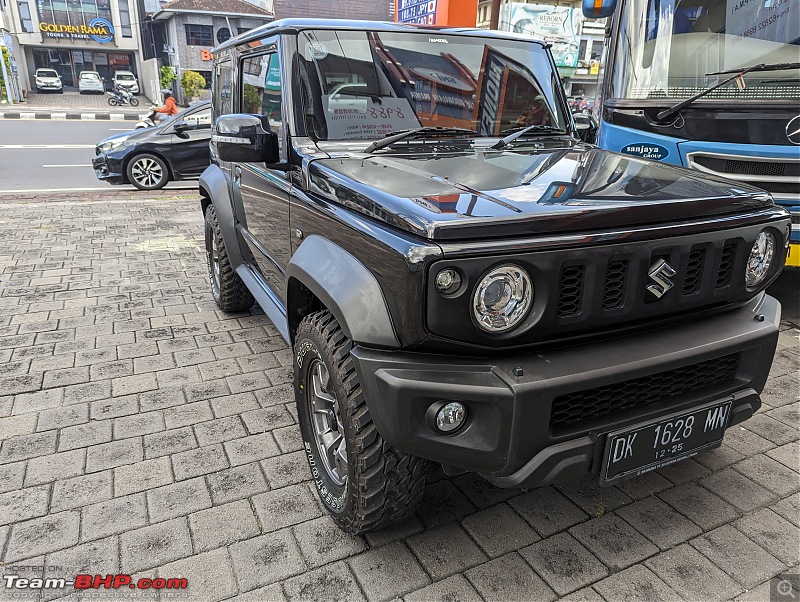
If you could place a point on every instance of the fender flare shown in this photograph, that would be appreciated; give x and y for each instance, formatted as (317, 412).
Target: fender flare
(346, 287)
(214, 186)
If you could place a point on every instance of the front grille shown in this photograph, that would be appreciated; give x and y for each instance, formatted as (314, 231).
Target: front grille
(753, 168)
(779, 187)
(570, 291)
(573, 408)
(725, 265)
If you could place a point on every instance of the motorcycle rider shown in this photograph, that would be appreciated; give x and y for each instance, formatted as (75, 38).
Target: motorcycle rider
(170, 107)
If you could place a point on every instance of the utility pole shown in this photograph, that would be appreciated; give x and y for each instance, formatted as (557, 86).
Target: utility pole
(494, 19)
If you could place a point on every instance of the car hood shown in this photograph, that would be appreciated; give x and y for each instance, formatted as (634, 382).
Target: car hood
(558, 186)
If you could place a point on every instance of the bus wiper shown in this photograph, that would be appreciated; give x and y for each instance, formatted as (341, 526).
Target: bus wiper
(548, 129)
(770, 67)
(685, 103)
(425, 131)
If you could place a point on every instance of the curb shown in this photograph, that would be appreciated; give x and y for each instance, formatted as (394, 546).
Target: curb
(103, 116)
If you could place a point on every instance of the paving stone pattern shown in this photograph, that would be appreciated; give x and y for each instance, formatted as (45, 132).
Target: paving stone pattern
(144, 431)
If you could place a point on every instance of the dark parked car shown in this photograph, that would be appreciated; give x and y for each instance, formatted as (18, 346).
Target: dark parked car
(461, 288)
(176, 149)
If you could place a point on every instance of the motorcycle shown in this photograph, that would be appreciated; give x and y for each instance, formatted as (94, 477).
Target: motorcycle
(120, 96)
(149, 120)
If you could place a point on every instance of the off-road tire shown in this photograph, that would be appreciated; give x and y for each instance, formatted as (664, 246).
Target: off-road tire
(230, 293)
(383, 485)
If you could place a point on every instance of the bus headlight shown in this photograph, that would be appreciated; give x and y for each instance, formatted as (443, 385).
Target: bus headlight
(502, 299)
(760, 260)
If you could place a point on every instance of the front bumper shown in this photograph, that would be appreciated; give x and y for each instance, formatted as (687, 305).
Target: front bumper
(511, 436)
(108, 170)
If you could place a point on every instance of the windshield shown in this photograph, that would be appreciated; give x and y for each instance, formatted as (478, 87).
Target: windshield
(665, 48)
(366, 85)
(124, 77)
(46, 73)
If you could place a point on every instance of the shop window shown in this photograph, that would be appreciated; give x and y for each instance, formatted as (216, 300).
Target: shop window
(25, 17)
(125, 19)
(199, 35)
(223, 34)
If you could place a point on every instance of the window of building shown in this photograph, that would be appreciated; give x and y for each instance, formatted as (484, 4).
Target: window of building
(199, 35)
(242, 30)
(206, 76)
(582, 50)
(125, 19)
(597, 50)
(25, 17)
(223, 34)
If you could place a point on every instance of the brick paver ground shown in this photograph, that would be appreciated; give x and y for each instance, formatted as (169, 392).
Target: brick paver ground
(145, 432)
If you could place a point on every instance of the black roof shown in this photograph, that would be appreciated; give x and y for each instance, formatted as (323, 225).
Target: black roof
(295, 25)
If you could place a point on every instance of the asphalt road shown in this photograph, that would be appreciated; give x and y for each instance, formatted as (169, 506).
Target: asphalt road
(61, 159)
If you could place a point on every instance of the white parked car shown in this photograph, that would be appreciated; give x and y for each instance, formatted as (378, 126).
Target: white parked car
(90, 81)
(127, 80)
(48, 80)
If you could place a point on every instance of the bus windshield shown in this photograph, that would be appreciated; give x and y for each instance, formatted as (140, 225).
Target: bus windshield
(360, 85)
(668, 48)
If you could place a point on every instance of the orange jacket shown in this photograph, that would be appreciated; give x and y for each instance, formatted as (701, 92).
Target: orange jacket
(170, 108)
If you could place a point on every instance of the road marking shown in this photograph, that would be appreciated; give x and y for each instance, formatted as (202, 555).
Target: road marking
(78, 165)
(47, 145)
(106, 188)
(120, 130)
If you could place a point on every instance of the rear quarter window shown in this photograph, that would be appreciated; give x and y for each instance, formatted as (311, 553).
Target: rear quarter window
(222, 97)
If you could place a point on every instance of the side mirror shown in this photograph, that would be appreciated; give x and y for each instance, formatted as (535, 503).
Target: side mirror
(182, 126)
(245, 138)
(598, 9)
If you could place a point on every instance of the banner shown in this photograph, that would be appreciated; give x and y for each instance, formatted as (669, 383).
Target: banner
(557, 25)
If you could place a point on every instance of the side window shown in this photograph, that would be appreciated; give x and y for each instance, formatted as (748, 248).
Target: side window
(261, 90)
(200, 120)
(222, 99)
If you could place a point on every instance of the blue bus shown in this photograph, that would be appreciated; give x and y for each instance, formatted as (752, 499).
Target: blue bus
(712, 85)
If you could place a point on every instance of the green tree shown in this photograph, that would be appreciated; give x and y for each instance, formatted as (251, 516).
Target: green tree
(168, 77)
(192, 82)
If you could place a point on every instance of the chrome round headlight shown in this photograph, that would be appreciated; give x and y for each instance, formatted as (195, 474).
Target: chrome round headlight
(502, 299)
(760, 260)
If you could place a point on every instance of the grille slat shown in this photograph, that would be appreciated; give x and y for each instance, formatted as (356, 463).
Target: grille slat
(694, 271)
(725, 266)
(574, 408)
(570, 291)
(616, 280)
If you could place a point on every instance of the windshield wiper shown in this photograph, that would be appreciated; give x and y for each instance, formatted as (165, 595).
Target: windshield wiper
(421, 132)
(685, 103)
(762, 67)
(547, 129)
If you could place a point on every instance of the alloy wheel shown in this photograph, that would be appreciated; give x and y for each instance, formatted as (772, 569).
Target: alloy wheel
(147, 172)
(326, 422)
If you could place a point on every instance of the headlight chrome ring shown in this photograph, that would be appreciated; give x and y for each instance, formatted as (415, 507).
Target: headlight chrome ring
(502, 298)
(760, 260)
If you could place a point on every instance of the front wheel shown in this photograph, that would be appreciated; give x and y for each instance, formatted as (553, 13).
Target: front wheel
(134, 101)
(362, 480)
(148, 172)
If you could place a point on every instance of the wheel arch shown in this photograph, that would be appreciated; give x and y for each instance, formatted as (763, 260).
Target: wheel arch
(214, 191)
(322, 275)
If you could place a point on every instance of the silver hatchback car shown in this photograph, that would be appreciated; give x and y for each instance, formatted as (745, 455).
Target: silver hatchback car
(90, 81)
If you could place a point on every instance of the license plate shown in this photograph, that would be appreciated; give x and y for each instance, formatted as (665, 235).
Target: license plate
(793, 258)
(639, 449)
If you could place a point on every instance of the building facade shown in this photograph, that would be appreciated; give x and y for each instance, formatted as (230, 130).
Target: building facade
(192, 28)
(71, 36)
(372, 10)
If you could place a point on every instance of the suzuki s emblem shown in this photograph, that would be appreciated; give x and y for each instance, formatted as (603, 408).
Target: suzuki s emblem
(660, 273)
(793, 130)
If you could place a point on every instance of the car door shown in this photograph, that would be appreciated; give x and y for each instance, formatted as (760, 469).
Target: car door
(191, 134)
(264, 191)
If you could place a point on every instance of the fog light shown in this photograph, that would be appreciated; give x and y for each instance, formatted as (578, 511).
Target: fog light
(451, 417)
(448, 281)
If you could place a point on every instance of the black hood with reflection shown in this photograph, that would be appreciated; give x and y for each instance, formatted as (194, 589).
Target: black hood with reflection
(562, 186)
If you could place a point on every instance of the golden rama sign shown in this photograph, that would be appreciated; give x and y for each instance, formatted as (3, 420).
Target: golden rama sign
(99, 30)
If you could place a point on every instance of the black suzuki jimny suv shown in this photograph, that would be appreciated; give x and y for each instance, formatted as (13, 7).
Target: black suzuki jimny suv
(462, 279)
